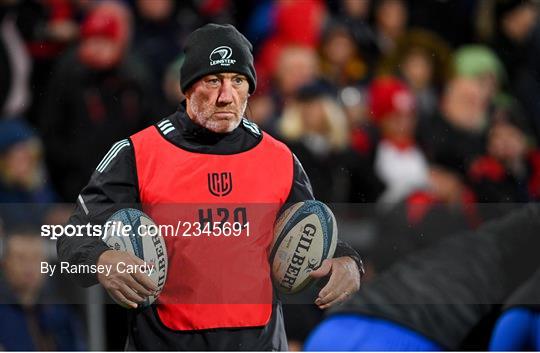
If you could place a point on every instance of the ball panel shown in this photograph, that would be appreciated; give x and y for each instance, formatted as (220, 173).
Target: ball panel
(149, 248)
(304, 236)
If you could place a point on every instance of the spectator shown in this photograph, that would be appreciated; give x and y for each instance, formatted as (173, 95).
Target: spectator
(515, 22)
(23, 176)
(98, 93)
(480, 63)
(25, 192)
(423, 60)
(399, 163)
(296, 24)
(158, 40)
(355, 14)
(27, 324)
(296, 67)
(390, 22)
(463, 118)
(341, 62)
(517, 43)
(510, 170)
(315, 128)
(48, 27)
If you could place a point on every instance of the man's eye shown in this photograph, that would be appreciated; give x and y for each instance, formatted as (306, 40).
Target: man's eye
(238, 80)
(213, 81)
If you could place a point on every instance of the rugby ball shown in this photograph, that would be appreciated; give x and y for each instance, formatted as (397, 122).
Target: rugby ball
(304, 236)
(135, 232)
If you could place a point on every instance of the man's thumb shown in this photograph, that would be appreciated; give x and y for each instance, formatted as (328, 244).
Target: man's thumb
(323, 270)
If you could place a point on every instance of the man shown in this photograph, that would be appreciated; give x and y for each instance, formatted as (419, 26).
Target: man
(173, 163)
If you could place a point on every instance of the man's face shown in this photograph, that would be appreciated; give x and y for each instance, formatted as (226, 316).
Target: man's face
(218, 102)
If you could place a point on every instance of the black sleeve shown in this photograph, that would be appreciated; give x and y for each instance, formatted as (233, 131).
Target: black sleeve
(302, 191)
(113, 186)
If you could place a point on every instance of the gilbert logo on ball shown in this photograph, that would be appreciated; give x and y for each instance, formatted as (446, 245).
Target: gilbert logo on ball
(304, 236)
(221, 56)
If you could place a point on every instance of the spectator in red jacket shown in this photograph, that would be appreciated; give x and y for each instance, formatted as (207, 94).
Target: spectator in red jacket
(99, 92)
(399, 162)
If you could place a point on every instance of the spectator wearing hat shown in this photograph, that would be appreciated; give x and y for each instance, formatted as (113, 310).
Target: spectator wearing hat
(399, 162)
(25, 191)
(99, 92)
(481, 63)
(22, 173)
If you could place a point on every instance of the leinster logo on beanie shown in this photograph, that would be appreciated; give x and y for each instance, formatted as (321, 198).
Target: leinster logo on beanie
(214, 49)
(221, 56)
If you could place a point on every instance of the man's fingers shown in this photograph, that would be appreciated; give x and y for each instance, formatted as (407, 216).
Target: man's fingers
(139, 288)
(323, 270)
(342, 298)
(145, 280)
(122, 300)
(136, 260)
(130, 294)
(332, 288)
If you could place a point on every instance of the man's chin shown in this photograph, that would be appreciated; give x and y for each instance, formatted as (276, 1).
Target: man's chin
(222, 127)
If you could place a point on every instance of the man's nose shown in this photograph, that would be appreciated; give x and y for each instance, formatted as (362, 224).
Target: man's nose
(225, 92)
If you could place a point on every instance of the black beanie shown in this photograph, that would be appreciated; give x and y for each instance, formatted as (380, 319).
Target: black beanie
(216, 48)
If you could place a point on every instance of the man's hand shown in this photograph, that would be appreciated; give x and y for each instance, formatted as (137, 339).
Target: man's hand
(344, 281)
(125, 288)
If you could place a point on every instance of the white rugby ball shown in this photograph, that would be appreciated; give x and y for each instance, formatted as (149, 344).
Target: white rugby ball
(304, 236)
(143, 240)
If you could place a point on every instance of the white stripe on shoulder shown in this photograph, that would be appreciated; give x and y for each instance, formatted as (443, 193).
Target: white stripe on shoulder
(169, 129)
(118, 148)
(166, 121)
(111, 151)
(251, 126)
(165, 126)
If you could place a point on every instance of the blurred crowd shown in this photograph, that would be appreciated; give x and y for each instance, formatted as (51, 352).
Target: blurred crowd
(424, 109)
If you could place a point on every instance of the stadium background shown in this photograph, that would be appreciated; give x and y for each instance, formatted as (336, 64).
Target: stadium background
(398, 182)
